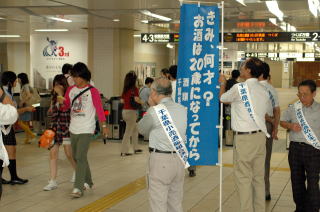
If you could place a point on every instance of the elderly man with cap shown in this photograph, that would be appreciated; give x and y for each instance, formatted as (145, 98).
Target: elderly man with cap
(165, 123)
(249, 106)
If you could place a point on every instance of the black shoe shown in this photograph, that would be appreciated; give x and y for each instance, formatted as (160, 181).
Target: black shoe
(125, 154)
(18, 181)
(5, 181)
(137, 151)
(268, 197)
(192, 173)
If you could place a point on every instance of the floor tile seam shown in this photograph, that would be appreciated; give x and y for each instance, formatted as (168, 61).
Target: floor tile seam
(280, 195)
(274, 169)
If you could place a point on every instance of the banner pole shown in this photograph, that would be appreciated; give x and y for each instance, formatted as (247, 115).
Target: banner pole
(221, 108)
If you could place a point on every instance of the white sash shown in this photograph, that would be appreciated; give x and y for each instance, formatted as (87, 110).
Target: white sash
(306, 129)
(172, 133)
(3, 153)
(246, 99)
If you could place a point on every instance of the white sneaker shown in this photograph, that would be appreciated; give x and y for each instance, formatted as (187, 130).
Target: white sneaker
(73, 179)
(52, 185)
(76, 193)
(87, 187)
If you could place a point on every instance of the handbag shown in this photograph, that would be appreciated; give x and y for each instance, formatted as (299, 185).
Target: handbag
(35, 97)
(135, 105)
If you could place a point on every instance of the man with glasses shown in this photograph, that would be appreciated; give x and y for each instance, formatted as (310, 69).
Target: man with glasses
(303, 122)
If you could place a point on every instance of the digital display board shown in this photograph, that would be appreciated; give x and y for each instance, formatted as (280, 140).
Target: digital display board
(240, 37)
(273, 37)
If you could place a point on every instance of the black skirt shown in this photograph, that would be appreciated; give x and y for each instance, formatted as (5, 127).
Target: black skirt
(9, 139)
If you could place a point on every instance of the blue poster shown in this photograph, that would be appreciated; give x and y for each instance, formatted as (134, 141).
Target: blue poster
(197, 80)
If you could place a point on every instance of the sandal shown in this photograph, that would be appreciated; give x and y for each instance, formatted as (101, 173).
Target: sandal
(76, 193)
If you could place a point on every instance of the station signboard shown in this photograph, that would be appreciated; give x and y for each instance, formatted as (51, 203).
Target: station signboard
(240, 37)
(159, 37)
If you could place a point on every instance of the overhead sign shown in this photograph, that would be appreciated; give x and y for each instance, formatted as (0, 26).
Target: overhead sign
(197, 80)
(240, 37)
(159, 37)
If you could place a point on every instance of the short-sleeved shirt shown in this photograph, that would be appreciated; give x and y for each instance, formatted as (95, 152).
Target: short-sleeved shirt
(241, 121)
(126, 98)
(150, 125)
(312, 116)
(274, 94)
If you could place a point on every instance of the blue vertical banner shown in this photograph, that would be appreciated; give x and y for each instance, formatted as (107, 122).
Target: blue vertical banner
(197, 80)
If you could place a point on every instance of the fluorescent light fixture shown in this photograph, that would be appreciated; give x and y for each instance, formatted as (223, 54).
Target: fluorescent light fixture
(148, 13)
(170, 46)
(273, 21)
(274, 9)
(241, 2)
(314, 7)
(145, 21)
(116, 20)
(292, 28)
(51, 30)
(10, 36)
(60, 19)
(283, 26)
(137, 36)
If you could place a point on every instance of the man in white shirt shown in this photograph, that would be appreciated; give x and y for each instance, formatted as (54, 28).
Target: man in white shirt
(248, 122)
(272, 123)
(173, 78)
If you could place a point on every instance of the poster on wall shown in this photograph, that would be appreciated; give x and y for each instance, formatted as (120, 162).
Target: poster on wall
(144, 70)
(50, 51)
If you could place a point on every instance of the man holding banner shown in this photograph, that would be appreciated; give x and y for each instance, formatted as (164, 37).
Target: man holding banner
(165, 123)
(302, 121)
(249, 105)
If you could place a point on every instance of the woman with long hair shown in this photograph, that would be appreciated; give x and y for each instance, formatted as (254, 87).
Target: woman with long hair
(60, 121)
(8, 82)
(129, 113)
(25, 95)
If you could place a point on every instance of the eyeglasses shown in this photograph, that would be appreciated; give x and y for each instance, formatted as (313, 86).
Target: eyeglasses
(303, 95)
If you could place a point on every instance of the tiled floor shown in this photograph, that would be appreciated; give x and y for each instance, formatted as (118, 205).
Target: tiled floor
(112, 174)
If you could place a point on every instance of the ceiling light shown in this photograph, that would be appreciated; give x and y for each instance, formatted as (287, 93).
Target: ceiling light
(273, 21)
(60, 19)
(10, 36)
(169, 46)
(148, 13)
(145, 21)
(292, 28)
(116, 20)
(137, 36)
(51, 30)
(274, 9)
(241, 2)
(314, 7)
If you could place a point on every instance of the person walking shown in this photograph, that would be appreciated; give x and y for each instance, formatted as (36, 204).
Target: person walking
(26, 93)
(130, 98)
(302, 119)
(249, 105)
(84, 102)
(60, 121)
(168, 154)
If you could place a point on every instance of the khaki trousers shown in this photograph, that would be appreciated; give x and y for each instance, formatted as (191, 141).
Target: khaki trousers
(130, 117)
(269, 142)
(248, 158)
(165, 176)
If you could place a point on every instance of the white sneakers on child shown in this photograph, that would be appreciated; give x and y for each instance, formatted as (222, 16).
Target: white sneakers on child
(51, 186)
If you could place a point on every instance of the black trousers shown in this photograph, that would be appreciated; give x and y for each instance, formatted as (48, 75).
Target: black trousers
(304, 161)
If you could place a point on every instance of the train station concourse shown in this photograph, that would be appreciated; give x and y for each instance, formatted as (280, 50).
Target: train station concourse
(100, 75)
